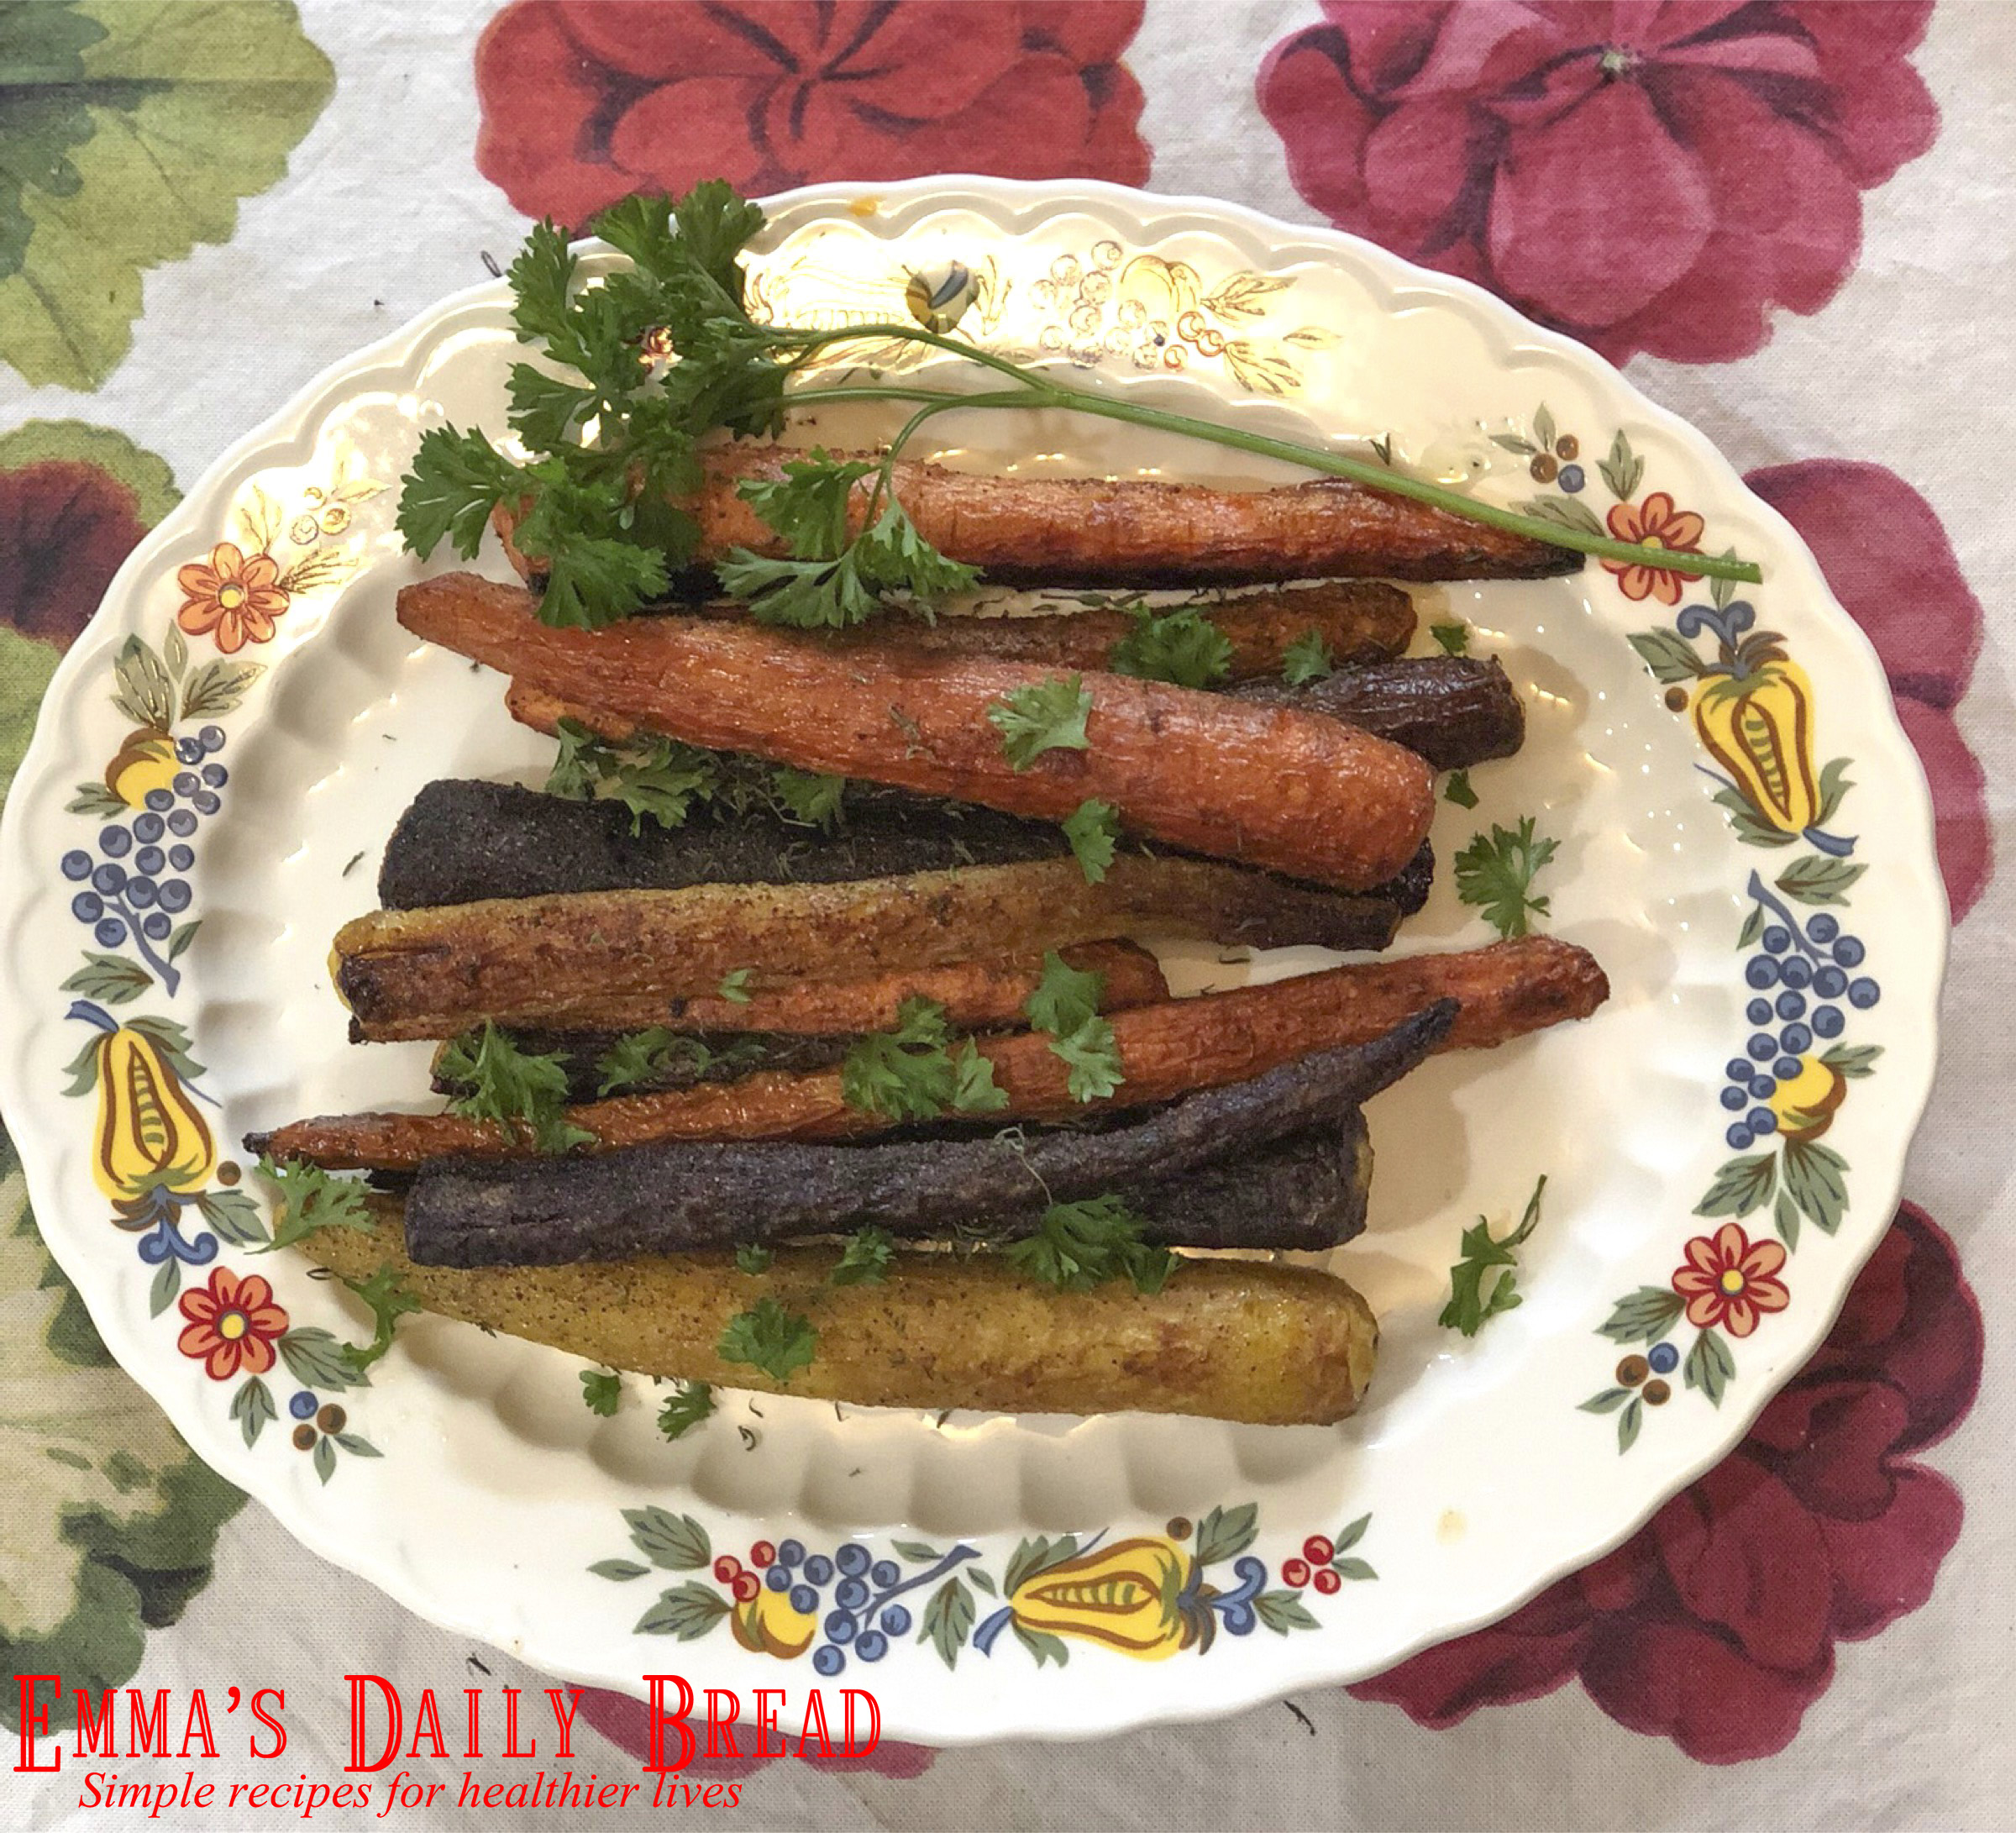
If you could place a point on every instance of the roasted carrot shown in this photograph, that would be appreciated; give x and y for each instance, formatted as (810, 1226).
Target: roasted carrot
(1357, 620)
(1288, 791)
(1227, 1339)
(1038, 530)
(976, 995)
(1503, 992)
(621, 958)
(1451, 711)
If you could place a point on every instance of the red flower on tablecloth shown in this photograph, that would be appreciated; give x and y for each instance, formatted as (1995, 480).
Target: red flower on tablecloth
(1891, 564)
(1715, 1626)
(233, 1325)
(1658, 522)
(584, 103)
(626, 1723)
(1650, 174)
(1728, 1280)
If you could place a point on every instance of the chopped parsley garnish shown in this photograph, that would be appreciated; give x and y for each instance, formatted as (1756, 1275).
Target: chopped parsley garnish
(734, 986)
(753, 1256)
(665, 781)
(768, 1337)
(1306, 659)
(649, 1055)
(865, 1261)
(600, 1390)
(1496, 871)
(1470, 1306)
(1183, 647)
(1457, 789)
(914, 1072)
(809, 797)
(1046, 716)
(308, 1198)
(689, 1403)
(525, 1093)
(1065, 997)
(1093, 828)
(1077, 1246)
(1066, 1005)
(389, 1300)
(1454, 638)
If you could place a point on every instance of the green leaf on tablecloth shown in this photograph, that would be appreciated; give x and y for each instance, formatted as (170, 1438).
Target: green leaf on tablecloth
(106, 1523)
(143, 124)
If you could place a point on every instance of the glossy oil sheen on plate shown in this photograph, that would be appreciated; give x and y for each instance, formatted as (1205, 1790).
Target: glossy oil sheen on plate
(1745, 844)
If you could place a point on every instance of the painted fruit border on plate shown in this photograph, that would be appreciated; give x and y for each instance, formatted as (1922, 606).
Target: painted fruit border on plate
(137, 1084)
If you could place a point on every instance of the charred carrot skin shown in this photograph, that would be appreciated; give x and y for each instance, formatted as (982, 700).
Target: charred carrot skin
(1040, 531)
(1503, 992)
(1291, 791)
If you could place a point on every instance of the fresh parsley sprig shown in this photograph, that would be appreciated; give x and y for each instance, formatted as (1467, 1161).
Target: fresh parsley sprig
(1470, 1306)
(614, 438)
(1077, 1245)
(832, 579)
(1495, 872)
(524, 1092)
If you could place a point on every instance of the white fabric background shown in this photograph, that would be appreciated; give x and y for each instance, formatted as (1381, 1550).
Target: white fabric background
(1912, 365)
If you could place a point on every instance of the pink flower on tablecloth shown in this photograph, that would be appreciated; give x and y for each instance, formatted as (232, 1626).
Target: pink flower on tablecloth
(1650, 174)
(584, 103)
(1715, 1626)
(1890, 564)
(626, 1723)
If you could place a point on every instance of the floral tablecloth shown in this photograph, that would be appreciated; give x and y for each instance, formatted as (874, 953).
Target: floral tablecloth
(1789, 218)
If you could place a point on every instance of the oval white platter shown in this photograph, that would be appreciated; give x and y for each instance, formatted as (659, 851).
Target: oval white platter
(1186, 1567)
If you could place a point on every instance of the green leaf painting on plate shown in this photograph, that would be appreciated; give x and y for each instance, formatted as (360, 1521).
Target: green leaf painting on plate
(107, 1523)
(128, 131)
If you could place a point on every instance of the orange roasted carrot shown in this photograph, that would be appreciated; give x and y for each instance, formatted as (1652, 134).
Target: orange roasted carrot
(1027, 530)
(1503, 992)
(1276, 787)
(1357, 620)
(976, 995)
